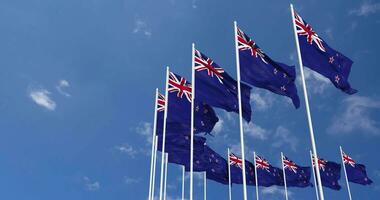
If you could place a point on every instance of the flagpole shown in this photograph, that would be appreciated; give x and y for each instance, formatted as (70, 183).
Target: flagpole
(284, 174)
(192, 120)
(229, 175)
(314, 148)
(256, 178)
(153, 142)
(205, 185)
(166, 174)
(315, 181)
(240, 114)
(345, 172)
(164, 133)
(154, 166)
(183, 182)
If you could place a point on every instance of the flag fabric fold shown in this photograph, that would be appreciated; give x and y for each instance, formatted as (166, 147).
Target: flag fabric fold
(217, 88)
(259, 70)
(321, 58)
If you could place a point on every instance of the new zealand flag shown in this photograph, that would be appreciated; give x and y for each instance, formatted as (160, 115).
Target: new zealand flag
(296, 176)
(217, 88)
(179, 110)
(236, 168)
(259, 70)
(356, 173)
(319, 57)
(267, 175)
(330, 173)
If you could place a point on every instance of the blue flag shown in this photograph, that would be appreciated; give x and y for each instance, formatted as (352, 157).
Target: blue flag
(236, 170)
(217, 88)
(259, 70)
(267, 175)
(296, 176)
(216, 166)
(179, 110)
(356, 173)
(319, 57)
(178, 149)
(330, 173)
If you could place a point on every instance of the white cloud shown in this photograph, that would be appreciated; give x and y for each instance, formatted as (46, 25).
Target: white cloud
(41, 97)
(62, 84)
(315, 82)
(127, 149)
(145, 129)
(129, 180)
(194, 4)
(261, 101)
(366, 8)
(255, 131)
(142, 27)
(218, 127)
(91, 185)
(284, 138)
(356, 116)
(275, 190)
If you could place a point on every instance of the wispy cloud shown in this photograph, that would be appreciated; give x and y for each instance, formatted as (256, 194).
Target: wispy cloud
(366, 8)
(42, 98)
(218, 128)
(261, 100)
(356, 115)
(127, 149)
(145, 129)
(62, 85)
(141, 27)
(91, 185)
(256, 131)
(316, 82)
(284, 138)
(130, 180)
(275, 190)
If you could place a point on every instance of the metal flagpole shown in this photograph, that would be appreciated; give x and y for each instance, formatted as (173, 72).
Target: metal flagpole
(283, 172)
(314, 148)
(153, 142)
(240, 114)
(205, 185)
(256, 178)
(229, 174)
(345, 173)
(183, 182)
(154, 166)
(166, 174)
(315, 181)
(164, 133)
(192, 120)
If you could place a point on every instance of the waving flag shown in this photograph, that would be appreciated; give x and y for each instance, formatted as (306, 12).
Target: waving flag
(296, 176)
(179, 110)
(259, 70)
(330, 173)
(178, 149)
(356, 173)
(319, 57)
(216, 87)
(267, 175)
(216, 166)
(236, 170)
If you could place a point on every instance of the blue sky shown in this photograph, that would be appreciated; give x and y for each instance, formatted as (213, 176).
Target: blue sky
(77, 86)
